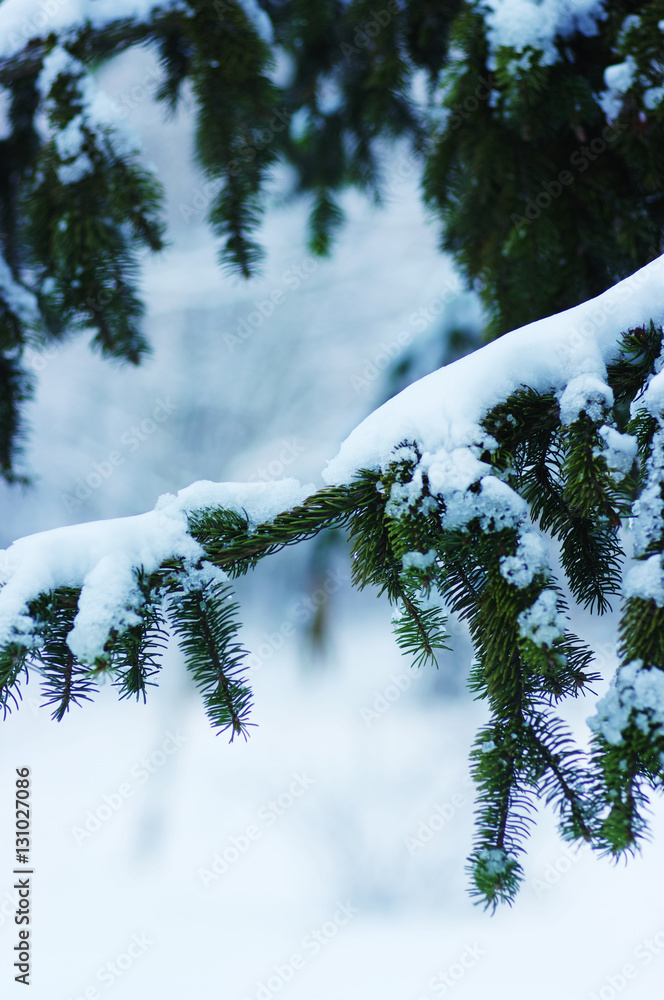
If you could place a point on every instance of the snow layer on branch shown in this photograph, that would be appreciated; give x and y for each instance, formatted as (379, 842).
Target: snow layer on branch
(442, 412)
(527, 24)
(418, 560)
(496, 860)
(530, 559)
(585, 392)
(652, 399)
(636, 692)
(18, 299)
(648, 508)
(22, 20)
(99, 116)
(619, 452)
(259, 502)
(101, 556)
(618, 80)
(646, 580)
(495, 505)
(542, 623)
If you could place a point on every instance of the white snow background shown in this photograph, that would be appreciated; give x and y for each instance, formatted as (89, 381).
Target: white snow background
(346, 819)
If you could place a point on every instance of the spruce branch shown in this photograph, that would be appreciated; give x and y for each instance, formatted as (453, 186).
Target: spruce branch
(13, 668)
(419, 632)
(135, 654)
(504, 816)
(88, 44)
(232, 545)
(205, 623)
(561, 777)
(66, 681)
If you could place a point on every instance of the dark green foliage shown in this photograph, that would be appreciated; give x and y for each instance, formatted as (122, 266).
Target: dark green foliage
(134, 655)
(626, 376)
(324, 221)
(235, 99)
(532, 243)
(65, 681)
(526, 753)
(15, 389)
(205, 622)
(231, 544)
(92, 226)
(420, 631)
(324, 88)
(13, 659)
(591, 549)
(628, 744)
(569, 489)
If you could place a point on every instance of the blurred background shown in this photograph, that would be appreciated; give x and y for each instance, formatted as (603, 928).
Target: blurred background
(323, 859)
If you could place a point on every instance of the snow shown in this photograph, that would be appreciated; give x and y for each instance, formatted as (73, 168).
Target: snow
(57, 61)
(648, 508)
(70, 140)
(618, 80)
(496, 860)
(652, 97)
(259, 502)
(652, 399)
(529, 560)
(100, 116)
(442, 412)
(101, 557)
(543, 623)
(495, 505)
(22, 20)
(21, 302)
(109, 599)
(71, 173)
(259, 18)
(527, 24)
(636, 695)
(585, 393)
(621, 76)
(619, 452)
(418, 560)
(646, 580)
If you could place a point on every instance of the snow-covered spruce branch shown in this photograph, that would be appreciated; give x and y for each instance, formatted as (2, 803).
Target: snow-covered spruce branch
(447, 492)
(89, 40)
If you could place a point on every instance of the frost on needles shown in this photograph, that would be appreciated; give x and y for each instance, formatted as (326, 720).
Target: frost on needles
(448, 492)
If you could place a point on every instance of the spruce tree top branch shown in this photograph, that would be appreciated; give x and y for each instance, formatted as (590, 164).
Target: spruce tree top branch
(442, 413)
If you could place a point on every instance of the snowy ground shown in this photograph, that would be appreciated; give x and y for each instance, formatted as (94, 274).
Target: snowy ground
(324, 858)
(347, 815)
